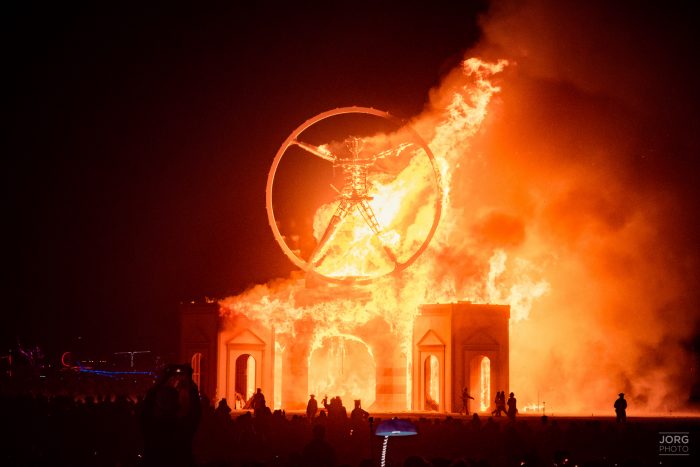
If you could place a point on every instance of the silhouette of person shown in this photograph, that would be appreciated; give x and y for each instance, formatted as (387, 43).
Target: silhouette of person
(621, 408)
(359, 414)
(359, 428)
(501, 403)
(222, 409)
(476, 421)
(336, 410)
(169, 418)
(258, 403)
(311, 407)
(318, 453)
(465, 401)
(512, 406)
(497, 401)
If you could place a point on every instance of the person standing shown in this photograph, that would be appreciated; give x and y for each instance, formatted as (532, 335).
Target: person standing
(311, 407)
(621, 408)
(500, 402)
(258, 404)
(512, 406)
(359, 414)
(223, 410)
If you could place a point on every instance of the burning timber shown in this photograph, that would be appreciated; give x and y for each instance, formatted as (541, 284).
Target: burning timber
(454, 346)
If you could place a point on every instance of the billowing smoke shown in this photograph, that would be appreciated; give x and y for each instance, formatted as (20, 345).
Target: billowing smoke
(585, 168)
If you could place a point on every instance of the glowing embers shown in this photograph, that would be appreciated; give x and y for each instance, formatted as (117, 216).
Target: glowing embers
(343, 366)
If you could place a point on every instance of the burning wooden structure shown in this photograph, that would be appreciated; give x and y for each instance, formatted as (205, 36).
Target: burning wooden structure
(454, 346)
(353, 322)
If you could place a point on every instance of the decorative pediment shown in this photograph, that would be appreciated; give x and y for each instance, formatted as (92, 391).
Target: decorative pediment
(247, 337)
(430, 338)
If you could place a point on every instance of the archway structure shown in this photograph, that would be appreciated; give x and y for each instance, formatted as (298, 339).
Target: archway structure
(466, 344)
(471, 344)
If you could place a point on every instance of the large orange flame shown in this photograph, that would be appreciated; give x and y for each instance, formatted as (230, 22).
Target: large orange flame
(404, 208)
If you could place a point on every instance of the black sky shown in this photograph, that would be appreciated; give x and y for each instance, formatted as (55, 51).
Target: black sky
(140, 140)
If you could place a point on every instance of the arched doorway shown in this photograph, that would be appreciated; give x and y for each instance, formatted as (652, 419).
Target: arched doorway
(196, 363)
(480, 382)
(343, 366)
(245, 376)
(431, 383)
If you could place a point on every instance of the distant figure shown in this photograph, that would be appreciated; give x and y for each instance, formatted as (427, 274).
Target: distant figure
(311, 407)
(500, 402)
(169, 418)
(318, 453)
(258, 403)
(258, 399)
(621, 408)
(512, 406)
(222, 409)
(336, 410)
(359, 418)
(359, 414)
(465, 401)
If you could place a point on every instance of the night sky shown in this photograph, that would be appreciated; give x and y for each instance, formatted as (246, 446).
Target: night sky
(140, 142)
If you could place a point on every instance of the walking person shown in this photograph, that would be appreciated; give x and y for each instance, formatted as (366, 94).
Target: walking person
(465, 401)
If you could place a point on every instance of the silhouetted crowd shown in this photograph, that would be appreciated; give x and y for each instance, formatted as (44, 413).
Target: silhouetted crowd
(164, 429)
